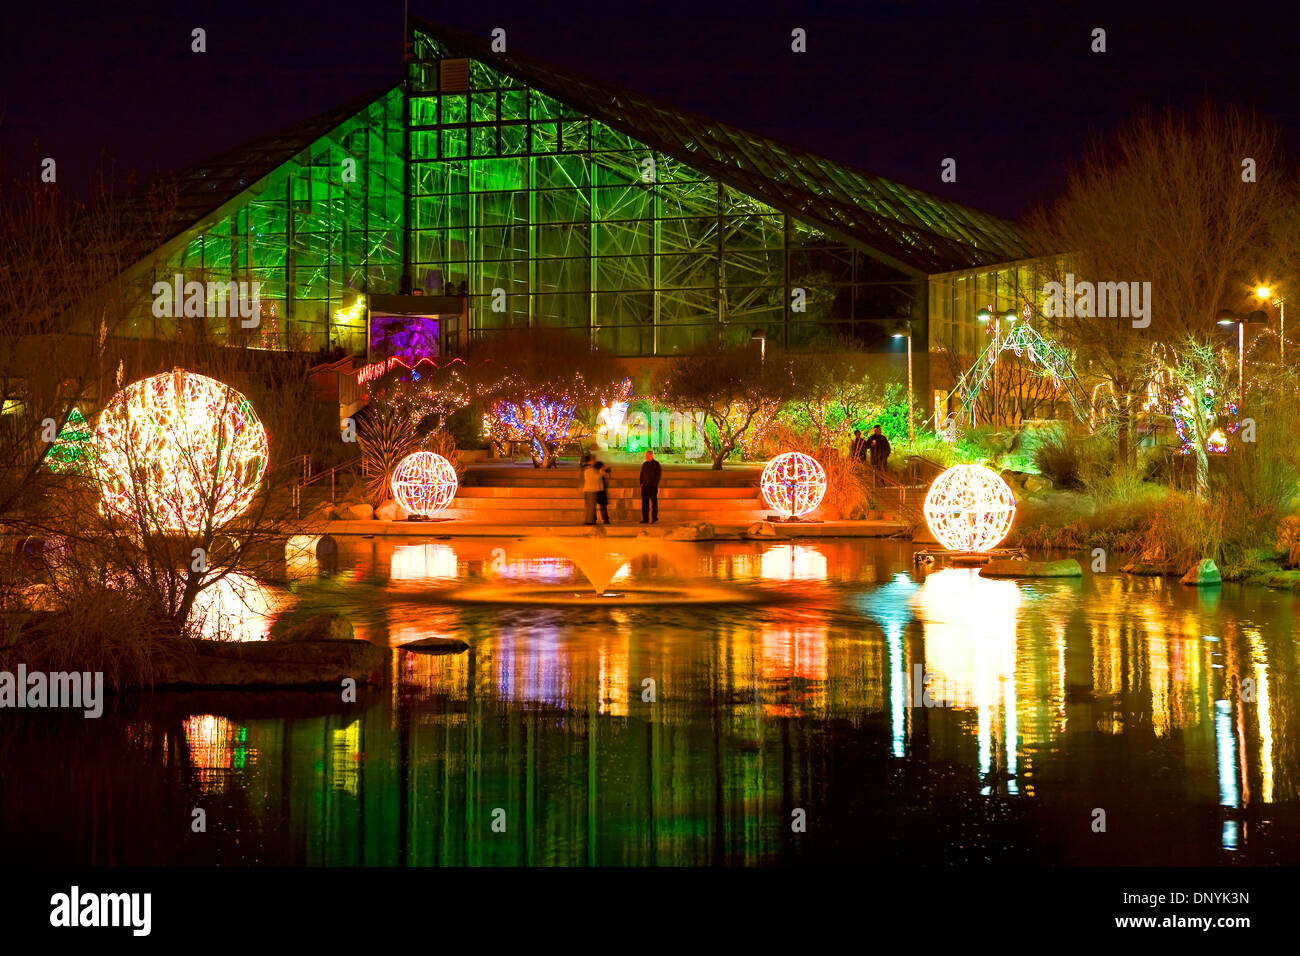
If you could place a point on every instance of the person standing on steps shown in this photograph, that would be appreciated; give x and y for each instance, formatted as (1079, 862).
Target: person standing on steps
(878, 446)
(602, 496)
(651, 471)
(591, 485)
(858, 450)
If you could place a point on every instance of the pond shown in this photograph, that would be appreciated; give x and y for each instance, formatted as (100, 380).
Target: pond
(852, 710)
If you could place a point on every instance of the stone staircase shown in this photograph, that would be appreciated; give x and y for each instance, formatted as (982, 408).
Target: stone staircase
(512, 494)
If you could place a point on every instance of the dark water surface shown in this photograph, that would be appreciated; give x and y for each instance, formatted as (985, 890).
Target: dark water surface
(1170, 709)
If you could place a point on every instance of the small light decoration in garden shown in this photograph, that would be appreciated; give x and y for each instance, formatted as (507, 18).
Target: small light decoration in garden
(969, 508)
(73, 450)
(531, 421)
(177, 450)
(424, 483)
(1217, 441)
(793, 484)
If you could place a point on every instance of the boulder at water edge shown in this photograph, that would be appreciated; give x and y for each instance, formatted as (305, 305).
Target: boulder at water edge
(361, 512)
(696, 531)
(1202, 573)
(761, 529)
(1019, 568)
(390, 510)
(328, 626)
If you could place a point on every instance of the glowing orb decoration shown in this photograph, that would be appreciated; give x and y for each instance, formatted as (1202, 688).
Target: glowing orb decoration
(424, 483)
(178, 450)
(793, 483)
(969, 508)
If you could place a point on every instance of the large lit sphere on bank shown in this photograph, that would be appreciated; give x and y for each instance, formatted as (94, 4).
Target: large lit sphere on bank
(424, 483)
(793, 483)
(969, 508)
(178, 450)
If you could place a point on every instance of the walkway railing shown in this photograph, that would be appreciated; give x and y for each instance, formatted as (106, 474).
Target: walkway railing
(308, 477)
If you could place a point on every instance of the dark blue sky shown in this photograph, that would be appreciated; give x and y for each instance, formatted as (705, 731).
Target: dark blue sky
(1009, 90)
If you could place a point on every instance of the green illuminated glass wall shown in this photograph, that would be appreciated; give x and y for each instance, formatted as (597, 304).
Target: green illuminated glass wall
(551, 218)
(546, 216)
(317, 231)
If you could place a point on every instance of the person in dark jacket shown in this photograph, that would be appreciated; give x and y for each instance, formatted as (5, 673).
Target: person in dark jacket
(858, 450)
(651, 471)
(602, 496)
(878, 446)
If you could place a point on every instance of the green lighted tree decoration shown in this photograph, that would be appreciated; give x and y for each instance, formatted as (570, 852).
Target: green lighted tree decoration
(73, 450)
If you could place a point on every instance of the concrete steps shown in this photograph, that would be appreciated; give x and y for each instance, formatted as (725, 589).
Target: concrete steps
(515, 495)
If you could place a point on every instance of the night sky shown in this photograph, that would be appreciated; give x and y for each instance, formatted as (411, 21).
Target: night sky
(1010, 91)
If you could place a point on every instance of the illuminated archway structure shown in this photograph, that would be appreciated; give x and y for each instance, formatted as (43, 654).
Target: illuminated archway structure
(1023, 339)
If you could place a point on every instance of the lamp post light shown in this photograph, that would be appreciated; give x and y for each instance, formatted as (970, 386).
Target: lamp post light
(1265, 294)
(1227, 318)
(761, 338)
(900, 330)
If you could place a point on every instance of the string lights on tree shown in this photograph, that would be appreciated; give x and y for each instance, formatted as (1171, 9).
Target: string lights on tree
(179, 450)
(424, 483)
(793, 483)
(969, 508)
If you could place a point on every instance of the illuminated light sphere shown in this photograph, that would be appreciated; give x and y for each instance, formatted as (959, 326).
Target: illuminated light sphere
(969, 508)
(793, 483)
(178, 450)
(424, 483)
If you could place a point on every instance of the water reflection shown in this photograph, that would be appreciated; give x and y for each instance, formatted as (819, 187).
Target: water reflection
(688, 735)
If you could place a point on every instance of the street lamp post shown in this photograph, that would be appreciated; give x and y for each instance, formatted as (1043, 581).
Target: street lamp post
(905, 329)
(1265, 294)
(1227, 317)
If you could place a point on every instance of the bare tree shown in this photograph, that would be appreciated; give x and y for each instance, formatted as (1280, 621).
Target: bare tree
(735, 388)
(1201, 207)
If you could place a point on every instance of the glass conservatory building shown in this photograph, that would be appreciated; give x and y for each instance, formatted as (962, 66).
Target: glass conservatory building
(510, 193)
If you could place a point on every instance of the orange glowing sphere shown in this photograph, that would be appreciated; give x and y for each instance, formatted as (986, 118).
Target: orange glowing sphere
(424, 483)
(969, 508)
(793, 483)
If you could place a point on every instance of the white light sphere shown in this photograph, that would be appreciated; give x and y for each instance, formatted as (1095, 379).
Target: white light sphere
(793, 483)
(969, 508)
(176, 450)
(424, 483)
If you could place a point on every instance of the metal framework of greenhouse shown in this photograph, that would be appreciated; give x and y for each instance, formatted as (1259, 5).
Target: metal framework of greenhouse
(555, 200)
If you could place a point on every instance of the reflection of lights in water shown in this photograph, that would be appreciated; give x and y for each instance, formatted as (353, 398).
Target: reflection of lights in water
(236, 608)
(1262, 708)
(970, 647)
(530, 666)
(797, 651)
(612, 687)
(1226, 754)
(345, 757)
(422, 562)
(891, 606)
(793, 562)
(216, 744)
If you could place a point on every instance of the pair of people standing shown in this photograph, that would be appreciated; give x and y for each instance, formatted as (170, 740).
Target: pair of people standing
(877, 446)
(595, 489)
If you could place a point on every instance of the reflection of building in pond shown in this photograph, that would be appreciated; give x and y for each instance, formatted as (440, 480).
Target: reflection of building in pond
(216, 747)
(345, 757)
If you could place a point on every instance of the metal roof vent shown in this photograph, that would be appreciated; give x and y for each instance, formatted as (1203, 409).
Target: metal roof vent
(453, 75)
